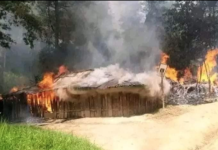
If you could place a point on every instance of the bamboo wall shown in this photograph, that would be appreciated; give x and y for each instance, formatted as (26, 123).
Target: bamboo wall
(101, 105)
(15, 107)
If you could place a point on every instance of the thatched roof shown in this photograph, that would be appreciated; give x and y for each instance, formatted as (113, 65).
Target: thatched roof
(109, 79)
(100, 78)
(103, 79)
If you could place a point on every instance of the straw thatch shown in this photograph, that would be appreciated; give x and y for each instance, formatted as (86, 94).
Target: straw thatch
(109, 80)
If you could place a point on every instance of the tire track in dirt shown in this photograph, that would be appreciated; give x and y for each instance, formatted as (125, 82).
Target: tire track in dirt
(210, 140)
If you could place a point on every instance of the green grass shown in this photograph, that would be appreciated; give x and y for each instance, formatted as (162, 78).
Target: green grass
(24, 137)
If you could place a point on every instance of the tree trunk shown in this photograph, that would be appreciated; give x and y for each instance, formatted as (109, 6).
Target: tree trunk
(57, 25)
(214, 28)
(50, 27)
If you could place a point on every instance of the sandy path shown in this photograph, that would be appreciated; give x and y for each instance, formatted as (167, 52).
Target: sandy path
(175, 128)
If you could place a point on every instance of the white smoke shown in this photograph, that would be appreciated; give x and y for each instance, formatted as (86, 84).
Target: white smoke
(136, 38)
(121, 27)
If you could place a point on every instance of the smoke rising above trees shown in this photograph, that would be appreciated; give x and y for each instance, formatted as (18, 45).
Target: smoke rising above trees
(105, 33)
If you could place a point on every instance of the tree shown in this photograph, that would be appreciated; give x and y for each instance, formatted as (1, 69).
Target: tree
(78, 26)
(18, 14)
(154, 14)
(58, 27)
(59, 21)
(189, 32)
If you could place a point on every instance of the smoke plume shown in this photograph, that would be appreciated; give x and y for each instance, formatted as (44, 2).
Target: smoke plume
(122, 36)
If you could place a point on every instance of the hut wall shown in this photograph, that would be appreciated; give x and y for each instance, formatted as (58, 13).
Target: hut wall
(15, 107)
(104, 105)
(98, 105)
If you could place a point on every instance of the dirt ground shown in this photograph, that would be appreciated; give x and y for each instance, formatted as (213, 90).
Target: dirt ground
(174, 128)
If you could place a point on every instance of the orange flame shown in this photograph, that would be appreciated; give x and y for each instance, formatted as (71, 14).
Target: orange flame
(170, 72)
(61, 70)
(164, 58)
(44, 99)
(187, 75)
(14, 89)
(47, 81)
(207, 71)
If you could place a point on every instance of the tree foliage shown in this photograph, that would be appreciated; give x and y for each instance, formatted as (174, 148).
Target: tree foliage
(75, 31)
(18, 13)
(190, 30)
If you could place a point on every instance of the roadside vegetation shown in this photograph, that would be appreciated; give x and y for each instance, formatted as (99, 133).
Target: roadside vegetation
(25, 137)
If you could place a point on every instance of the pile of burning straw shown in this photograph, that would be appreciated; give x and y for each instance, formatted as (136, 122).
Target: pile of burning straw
(188, 90)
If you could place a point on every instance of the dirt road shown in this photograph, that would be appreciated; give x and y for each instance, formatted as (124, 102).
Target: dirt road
(175, 128)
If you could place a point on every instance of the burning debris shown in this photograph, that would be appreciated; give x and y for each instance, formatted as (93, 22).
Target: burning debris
(205, 72)
(188, 90)
(191, 94)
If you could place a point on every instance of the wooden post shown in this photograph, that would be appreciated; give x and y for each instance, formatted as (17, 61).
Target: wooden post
(208, 79)
(201, 67)
(210, 87)
(198, 82)
(162, 90)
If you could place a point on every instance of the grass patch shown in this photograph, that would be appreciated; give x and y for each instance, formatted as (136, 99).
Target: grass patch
(26, 137)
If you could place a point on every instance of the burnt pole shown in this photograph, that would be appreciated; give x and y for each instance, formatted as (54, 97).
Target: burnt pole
(199, 74)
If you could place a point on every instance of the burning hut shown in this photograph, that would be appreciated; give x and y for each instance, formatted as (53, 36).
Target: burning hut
(112, 91)
(101, 92)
